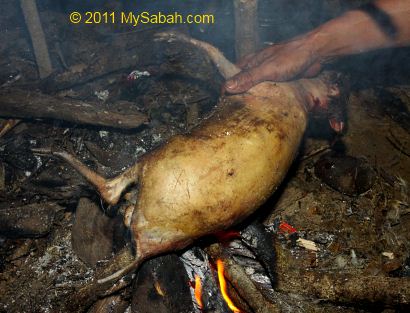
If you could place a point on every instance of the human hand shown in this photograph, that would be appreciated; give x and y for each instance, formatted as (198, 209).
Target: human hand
(280, 62)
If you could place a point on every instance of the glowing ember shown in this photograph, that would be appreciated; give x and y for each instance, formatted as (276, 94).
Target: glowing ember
(227, 235)
(223, 287)
(198, 291)
(158, 289)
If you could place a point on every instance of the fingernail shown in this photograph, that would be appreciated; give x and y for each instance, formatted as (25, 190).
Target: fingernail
(231, 84)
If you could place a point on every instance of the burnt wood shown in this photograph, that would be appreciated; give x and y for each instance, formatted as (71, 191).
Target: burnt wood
(18, 103)
(262, 245)
(162, 286)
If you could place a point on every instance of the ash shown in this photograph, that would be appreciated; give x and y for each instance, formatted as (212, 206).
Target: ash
(46, 276)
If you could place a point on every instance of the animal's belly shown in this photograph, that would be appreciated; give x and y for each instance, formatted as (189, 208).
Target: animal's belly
(199, 184)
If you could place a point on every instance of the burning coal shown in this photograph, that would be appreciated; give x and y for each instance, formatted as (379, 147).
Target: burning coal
(198, 292)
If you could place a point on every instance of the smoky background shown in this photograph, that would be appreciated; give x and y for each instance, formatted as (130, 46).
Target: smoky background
(279, 20)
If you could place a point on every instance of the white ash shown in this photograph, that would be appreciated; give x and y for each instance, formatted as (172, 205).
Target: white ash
(255, 271)
(238, 248)
(156, 138)
(39, 162)
(245, 257)
(102, 95)
(323, 238)
(138, 74)
(340, 262)
(60, 258)
(57, 267)
(139, 150)
(103, 133)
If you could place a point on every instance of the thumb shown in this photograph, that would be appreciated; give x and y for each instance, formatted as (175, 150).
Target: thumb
(248, 78)
(239, 83)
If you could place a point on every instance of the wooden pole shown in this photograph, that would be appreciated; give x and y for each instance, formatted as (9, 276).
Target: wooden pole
(38, 39)
(246, 27)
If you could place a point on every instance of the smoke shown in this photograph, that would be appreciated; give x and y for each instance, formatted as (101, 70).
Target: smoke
(278, 20)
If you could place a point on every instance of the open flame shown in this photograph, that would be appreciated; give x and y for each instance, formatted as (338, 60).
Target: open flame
(159, 289)
(198, 292)
(223, 286)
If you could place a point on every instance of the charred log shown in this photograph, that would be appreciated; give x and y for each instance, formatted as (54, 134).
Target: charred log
(242, 283)
(33, 220)
(261, 243)
(162, 286)
(24, 104)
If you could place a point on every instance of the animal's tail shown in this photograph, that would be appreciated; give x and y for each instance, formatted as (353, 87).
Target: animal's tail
(109, 189)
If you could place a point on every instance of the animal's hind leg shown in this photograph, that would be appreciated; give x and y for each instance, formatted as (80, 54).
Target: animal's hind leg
(109, 189)
(225, 67)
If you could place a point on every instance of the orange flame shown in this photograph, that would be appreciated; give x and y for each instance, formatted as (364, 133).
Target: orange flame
(198, 291)
(223, 287)
(159, 289)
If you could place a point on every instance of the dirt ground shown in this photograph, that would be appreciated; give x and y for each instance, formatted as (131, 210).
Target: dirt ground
(353, 233)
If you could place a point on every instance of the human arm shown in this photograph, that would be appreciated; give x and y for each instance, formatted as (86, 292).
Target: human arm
(354, 32)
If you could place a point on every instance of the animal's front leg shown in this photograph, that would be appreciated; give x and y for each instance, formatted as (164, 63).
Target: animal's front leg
(100, 285)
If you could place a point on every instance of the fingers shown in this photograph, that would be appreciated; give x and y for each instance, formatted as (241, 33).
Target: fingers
(257, 67)
(281, 62)
(239, 83)
(248, 78)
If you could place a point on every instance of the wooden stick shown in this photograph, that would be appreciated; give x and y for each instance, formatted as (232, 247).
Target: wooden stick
(242, 283)
(339, 287)
(246, 27)
(17, 103)
(38, 39)
(111, 304)
(347, 288)
(7, 125)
